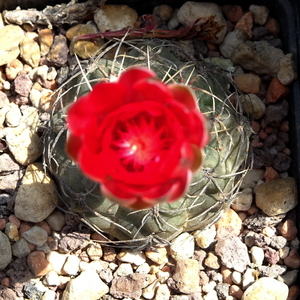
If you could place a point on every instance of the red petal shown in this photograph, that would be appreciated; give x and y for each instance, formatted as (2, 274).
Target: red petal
(184, 95)
(135, 74)
(73, 146)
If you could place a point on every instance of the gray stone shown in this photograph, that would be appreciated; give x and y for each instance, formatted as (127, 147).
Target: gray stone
(253, 106)
(56, 220)
(11, 36)
(287, 70)
(7, 164)
(5, 251)
(231, 41)
(277, 196)
(36, 235)
(260, 14)
(87, 286)
(36, 196)
(190, 11)
(59, 51)
(233, 253)
(20, 248)
(260, 57)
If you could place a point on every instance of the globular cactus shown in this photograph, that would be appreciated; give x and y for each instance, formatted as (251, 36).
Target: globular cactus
(214, 185)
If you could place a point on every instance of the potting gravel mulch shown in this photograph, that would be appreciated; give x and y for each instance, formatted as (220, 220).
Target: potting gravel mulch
(46, 253)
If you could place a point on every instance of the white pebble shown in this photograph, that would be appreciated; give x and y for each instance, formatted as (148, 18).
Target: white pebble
(248, 278)
(183, 246)
(71, 266)
(236, 277)
(284, 252)
(257, 255)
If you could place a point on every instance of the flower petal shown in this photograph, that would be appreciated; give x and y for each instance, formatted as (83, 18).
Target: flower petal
(134, 74)
(184, 95)
(73, 146)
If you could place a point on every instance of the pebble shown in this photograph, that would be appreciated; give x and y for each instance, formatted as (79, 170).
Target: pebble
(183, 246)
(30, 49)
(163, 292)
(11, 231)
(266, 288)
(123, 270)
(257, 255)
(38, 263)
(276, 90)
(292, 261)
(248, 83)
(36, 236)
(243, 200)
(245, 24)
(49, 295)
(186, 275)
(287, 70)
(51, 279)
(212, 261)
(158, 255)
(249, 277)
(6, 256)
(289, 230)
(277, 196)
(59, 50)
(253, 106)
(11, 37)
(13, 68)
(115, 17)
(260, 13)
(36, 195)
(231, 41)
(233, 12)
(56, 220)
(94, 251)
(229, 225)
(57, 260)
(46, 38)
(233, 253)
(87, 285)
(134, 257)
(150, 290)
(205, 237)
(20, 248)
(71, 265)
(129, 286)
(236, 277)
(190, 11)
(259, 57)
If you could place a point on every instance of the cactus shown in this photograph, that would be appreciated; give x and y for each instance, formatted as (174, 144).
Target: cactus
(214, 185)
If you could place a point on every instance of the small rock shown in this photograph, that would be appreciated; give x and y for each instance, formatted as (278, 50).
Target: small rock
(13, 68)
(129, 286)
(260, 57)
(73, 241)
(162, 292)
(115, 17)
(212, 261)
(58, 53)
(36, 236)
(243, 200)
(30, 49)
(233, 12)
(236, 277)
(38, 263)
(287, 74)
(6, 253)
(271, 174)
(227, 275)
(245, 24)
(134, 257)
(248, 83)
(276, 90)
(20, 248)
(57, 260)
(253, 106)
(94, 251)
(11, 231)
(86, 48)
(273, 26)
(109, 254)
(190, 11)
(51, 279)
(186, 275)
(233, 253)
(183, 246)
(290, 277)
(123, 270)
(276, 112)
(163, 12)
(229, 224)
(231, 41)
(292, 261)
(87, 286)
(277, 196)
(251, 178)
(71, 265)
(272, 271)
(278, 242)
(46, 39)
(11, 36)
(158, 255)
(56, 220)
(289, 230)
(23, 84)
(294, 292)
(205, 237)
(266, 288)
(49, 295)
(271, 256)
(150, 290)
(248, 278)
(222, 290)
(36, 195)
(257, 255)
(260, 14)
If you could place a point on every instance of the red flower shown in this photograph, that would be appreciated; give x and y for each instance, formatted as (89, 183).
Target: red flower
(138, 137)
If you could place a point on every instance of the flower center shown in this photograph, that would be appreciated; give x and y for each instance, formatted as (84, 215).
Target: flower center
(140, 140)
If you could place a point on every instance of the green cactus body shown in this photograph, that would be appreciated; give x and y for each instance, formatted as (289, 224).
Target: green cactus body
(214, 185)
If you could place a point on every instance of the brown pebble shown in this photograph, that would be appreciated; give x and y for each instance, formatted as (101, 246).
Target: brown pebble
(248, 83)
(292, 260)
(38, 263)
(5, 281)
(226, 274)
(262, 135)
(255, 126)
(13, 219)
(294, 292)
(211, 46)
(289, 229)
(253, 210)
(2, 224)
(45, 226)
(271, 174)
(246, 23)
(276, 91)
(284, 126)
(287, 151)
(257, 144)
(269, 129)
(273, 27)
(233, 12)
(236, 292)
